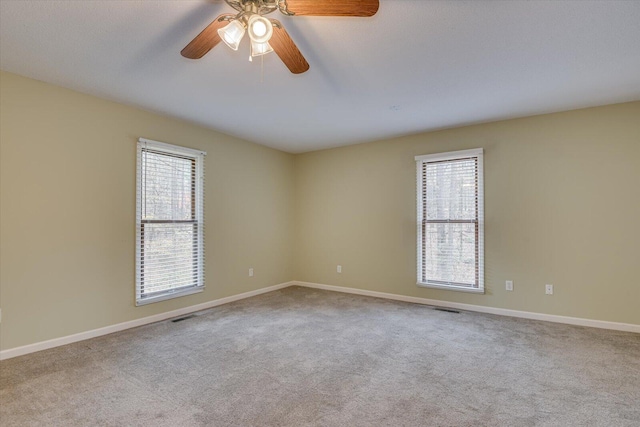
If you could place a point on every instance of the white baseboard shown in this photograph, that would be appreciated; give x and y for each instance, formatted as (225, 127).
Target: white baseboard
(56, 342)
(626, 327)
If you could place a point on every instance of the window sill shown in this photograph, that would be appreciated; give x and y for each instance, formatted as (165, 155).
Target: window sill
(164, 297)
(451, 288)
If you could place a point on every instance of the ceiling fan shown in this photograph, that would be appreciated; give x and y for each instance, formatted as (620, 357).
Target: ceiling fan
(268, 35)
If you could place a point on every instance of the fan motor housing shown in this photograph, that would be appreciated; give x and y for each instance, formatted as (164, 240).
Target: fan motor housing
(261, 7)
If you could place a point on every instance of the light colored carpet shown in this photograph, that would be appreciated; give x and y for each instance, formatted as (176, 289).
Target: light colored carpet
(303, 357)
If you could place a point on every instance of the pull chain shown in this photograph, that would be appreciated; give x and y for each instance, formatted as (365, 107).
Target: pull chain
(261, 66)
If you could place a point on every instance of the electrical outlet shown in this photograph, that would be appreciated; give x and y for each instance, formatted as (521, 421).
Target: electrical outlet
(509, 285)
(250, 271)
(339, 269)
(548, 289)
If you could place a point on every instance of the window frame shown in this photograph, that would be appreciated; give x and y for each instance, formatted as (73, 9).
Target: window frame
(477, 153)
(198, 220)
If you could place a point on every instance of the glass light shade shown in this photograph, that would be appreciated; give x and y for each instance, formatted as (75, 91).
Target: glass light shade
(260, 29)
(232, 34)
(258, 49)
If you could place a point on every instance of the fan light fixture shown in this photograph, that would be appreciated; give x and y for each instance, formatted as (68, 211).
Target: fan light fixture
(260, 30)
(232, 34)
(258, 49)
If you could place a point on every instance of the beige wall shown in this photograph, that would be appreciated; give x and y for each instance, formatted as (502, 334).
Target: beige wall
(562, 206)
(67, 211)
(562, 203)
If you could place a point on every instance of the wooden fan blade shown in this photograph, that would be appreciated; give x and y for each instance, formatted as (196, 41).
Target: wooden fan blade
(206, 40)
(333, 7)
(287, 50)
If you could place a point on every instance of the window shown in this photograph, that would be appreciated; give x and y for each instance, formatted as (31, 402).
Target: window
(169, 222)
(451, 221)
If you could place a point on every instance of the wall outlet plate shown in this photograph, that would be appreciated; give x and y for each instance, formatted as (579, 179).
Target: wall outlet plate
(509, 285)
(250, 271)
(339, 269)
(548, 289)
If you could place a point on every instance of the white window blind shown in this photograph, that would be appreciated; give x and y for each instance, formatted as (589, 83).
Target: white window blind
(169, 220)
(451, 220)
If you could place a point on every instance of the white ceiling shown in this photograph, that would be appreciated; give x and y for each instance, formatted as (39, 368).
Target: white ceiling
(415, 66)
